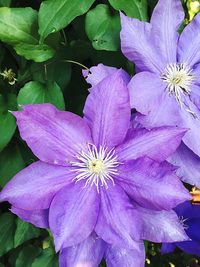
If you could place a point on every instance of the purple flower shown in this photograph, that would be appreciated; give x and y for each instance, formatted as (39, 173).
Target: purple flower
(189, 214)
(98, 178)
(166, 90)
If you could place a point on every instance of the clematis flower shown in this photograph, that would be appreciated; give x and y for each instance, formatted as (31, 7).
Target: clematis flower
(189, 214)
(97, 177)
(166, 90)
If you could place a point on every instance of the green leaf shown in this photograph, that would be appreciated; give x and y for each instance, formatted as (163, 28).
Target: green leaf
(104, 31)
(132, 8)
(25, 231)
(4, 3)
(27, 255)
(57, 14)
(7, 229)
(38, 93)
(7, 120)
(18, 25)
(38, 53)
(57, 70)
(46, 259)
(11, 162)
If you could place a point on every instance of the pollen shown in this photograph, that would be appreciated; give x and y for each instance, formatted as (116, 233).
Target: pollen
(96, 166)
(178, 77)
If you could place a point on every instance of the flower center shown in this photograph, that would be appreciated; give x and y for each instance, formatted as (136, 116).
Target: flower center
(96, 166)
(179, 78)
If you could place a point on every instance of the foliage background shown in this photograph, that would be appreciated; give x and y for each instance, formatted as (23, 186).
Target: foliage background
(38, 42)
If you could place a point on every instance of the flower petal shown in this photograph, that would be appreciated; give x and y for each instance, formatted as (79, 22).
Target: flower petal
(161, 226)
(187, 210)
(195, 95)
(54, 136)
(151, 184)
(168, 247)
(73, 214)
(138, 45)
(158, 143)
(86, 254)
(166, 19)
(110, 121)
(190, 247)
(37, 217)
(189, 52)
(166, 114)
(118, 222)
(34, 187)
(191, 122)
(146, 91)
(96, 74)
(122, 257)
(188, 163)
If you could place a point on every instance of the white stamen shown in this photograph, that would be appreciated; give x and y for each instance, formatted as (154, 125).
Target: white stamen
(182, 221)
(179, 78)
(96, 166)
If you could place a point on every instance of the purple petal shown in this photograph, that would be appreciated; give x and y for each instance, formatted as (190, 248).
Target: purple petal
(191, 122)
(137, 45)
(118, 222)
(195, 95)
(34, 187)
(158, 143)
(187, 210)
(188, 51)
(107, 111)
(149, 85)
(37, 217)
(96, 74)
(190, 247)
(168, 248)
(166, 19)
(73, 214)
(195, 72)
(122, 257)
(152, 185)
(161, 226)
(166, 114)
(54, 136)
(86, 254)
(188, 163)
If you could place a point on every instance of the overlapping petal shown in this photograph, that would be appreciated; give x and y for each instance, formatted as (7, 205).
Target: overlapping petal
(190, 120)
(54, 136)
(123, 257)
(138, 45)
(34, 187)
(195, 94)
(146, 91)
(96, 74)
(168, 247)
(161, 226)
(166, 19)
(86, 254)
(39, 218)
(118, 221)
(158, 143)
(73, 214)
(107, 111)
(188, 51)
(166, 114)
(188, 163)
(152, 185)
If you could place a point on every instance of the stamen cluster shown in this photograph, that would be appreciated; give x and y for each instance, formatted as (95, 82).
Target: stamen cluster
(96, 166)
(179, 78)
